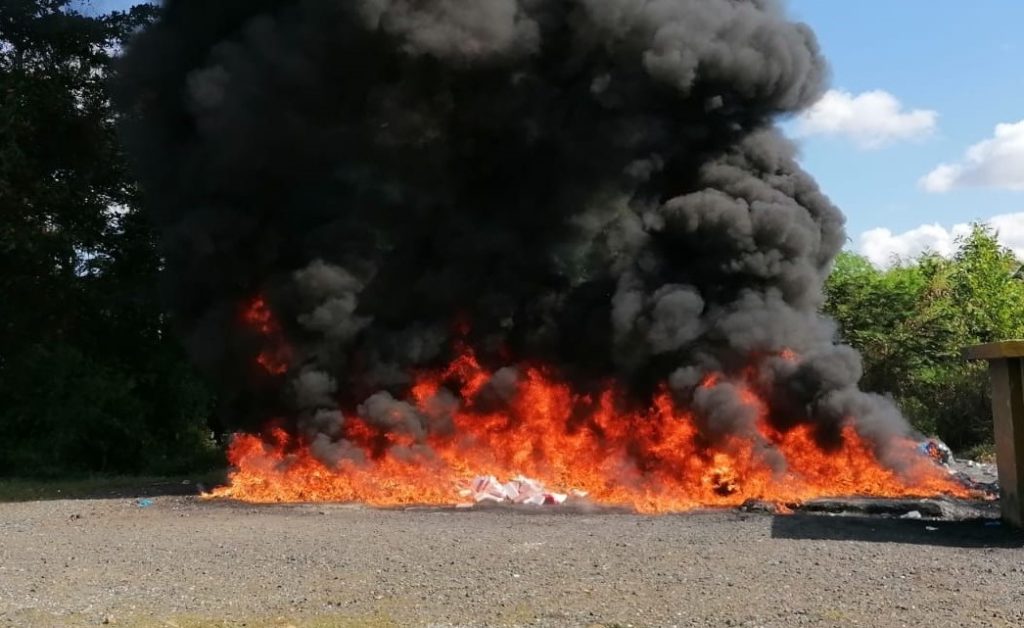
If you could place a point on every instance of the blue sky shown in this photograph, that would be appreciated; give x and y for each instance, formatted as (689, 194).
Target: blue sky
(951, 73)
(960, 59)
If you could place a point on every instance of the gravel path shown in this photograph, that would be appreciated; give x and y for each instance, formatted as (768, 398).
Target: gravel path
(185, 562)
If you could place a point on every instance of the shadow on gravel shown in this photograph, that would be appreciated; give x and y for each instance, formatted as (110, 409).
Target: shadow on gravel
(974, 533)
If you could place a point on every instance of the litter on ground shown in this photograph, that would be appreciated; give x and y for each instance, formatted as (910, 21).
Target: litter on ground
(519, 490)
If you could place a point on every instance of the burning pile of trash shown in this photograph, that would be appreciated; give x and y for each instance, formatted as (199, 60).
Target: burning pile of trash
(970, 474)
(531, 492)
(519, 490)
(936, 450)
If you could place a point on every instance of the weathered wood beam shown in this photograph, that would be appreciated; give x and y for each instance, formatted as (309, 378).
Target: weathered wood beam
(1006, 370)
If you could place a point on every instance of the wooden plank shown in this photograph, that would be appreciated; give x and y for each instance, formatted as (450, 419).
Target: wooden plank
(1008, 412)
(995, 350)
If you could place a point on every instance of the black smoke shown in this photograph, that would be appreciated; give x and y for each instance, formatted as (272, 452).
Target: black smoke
(594, 184)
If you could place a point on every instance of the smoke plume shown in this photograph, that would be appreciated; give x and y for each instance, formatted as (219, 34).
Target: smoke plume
(595, 185)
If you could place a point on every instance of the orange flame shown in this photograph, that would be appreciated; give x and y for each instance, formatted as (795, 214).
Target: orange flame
(277, 358)
(653, 460)
(258, 316)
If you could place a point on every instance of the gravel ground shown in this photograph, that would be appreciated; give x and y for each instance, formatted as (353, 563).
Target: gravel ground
(186, 562)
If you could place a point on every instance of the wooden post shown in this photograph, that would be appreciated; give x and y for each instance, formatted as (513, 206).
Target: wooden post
(1006, 368)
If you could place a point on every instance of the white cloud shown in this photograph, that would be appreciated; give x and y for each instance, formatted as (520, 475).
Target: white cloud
(871, 120)
(883, 248)
(997, 162)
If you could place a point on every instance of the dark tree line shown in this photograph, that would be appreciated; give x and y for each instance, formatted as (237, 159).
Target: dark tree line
(93, 379)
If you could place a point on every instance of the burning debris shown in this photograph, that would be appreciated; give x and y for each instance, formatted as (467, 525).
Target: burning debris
(425, 241)
(385, 464)
(936, 450)
(521, 490)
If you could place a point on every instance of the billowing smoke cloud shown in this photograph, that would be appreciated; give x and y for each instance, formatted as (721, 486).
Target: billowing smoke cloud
(595, 184)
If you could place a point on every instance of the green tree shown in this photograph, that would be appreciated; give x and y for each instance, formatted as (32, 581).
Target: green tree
(986, 288)
(90, 380)
(910, 323)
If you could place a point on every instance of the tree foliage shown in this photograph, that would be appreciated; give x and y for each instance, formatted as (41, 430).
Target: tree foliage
(911, 322)
(90, 379)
